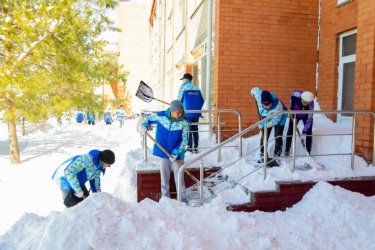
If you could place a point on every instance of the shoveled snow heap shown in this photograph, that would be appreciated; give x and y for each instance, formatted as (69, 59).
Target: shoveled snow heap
(327, 217)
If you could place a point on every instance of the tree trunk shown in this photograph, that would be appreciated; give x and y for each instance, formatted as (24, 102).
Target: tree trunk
(23, 127)
(13, 143)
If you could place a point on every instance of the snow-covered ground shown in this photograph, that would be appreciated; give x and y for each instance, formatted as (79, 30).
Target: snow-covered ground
(33, 216)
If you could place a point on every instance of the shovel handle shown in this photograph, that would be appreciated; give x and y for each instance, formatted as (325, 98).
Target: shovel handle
(300, 137)
(156, 99)
(178, 164)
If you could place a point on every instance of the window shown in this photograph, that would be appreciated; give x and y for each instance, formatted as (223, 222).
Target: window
(346, 75)
(348, 45)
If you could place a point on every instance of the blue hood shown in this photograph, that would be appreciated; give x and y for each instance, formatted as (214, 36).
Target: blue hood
(95, 154)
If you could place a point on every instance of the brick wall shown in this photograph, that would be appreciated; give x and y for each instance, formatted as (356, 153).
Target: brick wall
(270, 44)
(360, 15)
(365, 73)
(333, 22)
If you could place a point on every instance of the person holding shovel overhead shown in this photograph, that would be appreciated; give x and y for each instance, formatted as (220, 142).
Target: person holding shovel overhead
(172, 130)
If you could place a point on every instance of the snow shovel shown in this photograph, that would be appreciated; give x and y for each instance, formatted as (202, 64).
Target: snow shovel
(311, 161)
(272, 161)
(178, 164)
(145, 93)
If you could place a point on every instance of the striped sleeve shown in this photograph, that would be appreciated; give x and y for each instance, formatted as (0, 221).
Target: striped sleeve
(149, 119)
(74, 168)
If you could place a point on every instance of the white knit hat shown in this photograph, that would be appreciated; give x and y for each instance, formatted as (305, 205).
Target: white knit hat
(307, 96)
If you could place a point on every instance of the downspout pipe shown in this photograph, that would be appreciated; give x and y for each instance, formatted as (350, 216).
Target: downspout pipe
(208, 62)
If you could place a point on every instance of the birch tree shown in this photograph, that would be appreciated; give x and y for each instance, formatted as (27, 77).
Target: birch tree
(51, 59)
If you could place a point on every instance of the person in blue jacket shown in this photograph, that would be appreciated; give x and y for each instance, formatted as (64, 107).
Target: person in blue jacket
(172, 131)
(120, 115)
(269, 104)
(80, 169)
(90, 117)
(108, 116)
(191, 98)
(80, 116)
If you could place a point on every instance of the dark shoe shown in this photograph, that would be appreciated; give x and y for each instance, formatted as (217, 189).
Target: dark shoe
(273, 163)
(287, 153)
(261, 159)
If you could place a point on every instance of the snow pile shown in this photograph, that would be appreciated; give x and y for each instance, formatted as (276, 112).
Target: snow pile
(105, 222)
(33, 216)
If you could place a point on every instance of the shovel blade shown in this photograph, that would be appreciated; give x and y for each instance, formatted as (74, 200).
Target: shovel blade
(144, 92)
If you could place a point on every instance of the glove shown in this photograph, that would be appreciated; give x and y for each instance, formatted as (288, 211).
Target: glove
(79, 194)
(303, 132)
(172, 158)
(143, 130)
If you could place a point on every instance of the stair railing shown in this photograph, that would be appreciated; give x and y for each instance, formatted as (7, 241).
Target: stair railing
(252, 127)
(218, 125)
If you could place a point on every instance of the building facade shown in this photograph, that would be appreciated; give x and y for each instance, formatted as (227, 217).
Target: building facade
(133, 42)
(178, 45)
(324, 46)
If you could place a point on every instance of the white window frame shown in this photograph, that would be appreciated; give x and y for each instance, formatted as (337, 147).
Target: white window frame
(342, 2)
(344, 120)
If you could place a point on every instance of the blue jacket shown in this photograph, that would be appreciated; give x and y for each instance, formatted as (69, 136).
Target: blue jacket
(90, 117)
(172, 134)
(81, 169)
(277, 105)
(120, 114)
(191, 98)
(108, 117)
(80, 116)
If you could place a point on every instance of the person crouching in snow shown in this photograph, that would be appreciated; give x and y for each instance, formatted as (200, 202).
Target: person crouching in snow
(301, 101)
(269, 104)
(82, 168)
(172, 133)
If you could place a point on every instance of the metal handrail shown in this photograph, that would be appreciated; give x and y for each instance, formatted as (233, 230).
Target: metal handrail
(219, 111)
(289, 112)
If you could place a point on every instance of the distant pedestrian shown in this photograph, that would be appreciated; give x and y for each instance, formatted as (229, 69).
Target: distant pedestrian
(301, 101)
(90, 117)
(191, 98)
(269, 104)
(108, 116)
(80, 169)
(120, 115)
(80, 116)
